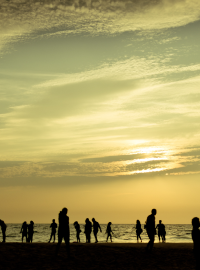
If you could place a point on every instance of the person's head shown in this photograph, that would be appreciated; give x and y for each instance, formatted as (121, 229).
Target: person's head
(195, 223)
(31, 222)
(65, 210)
(93, 219)
(154, 211)
(160, 221)
(109, 223)
(53, 220)
(138, 222)
(24, 223)
(75, 222)
(87, 220)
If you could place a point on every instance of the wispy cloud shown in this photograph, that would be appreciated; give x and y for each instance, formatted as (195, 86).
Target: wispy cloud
(21, 18)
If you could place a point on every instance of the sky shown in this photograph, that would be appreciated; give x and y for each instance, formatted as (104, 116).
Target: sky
(99, 110)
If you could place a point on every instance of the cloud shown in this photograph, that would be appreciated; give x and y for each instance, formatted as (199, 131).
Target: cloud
(10, 164)
(114, 158)
(21, 18)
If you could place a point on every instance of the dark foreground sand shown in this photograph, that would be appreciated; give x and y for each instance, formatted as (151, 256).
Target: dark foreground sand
(96, 256)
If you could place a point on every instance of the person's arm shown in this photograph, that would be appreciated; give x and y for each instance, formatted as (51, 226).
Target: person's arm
(100, 227)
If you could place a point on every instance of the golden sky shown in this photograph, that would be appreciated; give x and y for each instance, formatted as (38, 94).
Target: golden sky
(99, 110)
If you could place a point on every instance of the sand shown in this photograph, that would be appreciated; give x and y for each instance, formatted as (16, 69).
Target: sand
(97, 256)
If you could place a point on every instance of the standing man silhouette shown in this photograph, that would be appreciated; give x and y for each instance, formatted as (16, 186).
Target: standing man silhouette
(63, 230)
(88, 230)
(151, 229)
(24, 231)
(53, 227)
(96, 227)
(161, 231)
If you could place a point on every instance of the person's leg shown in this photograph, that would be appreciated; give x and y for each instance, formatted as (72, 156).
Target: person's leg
(95, 236)
(140, 237)
(4, 236)
(59, 243)
(50, 237)
(164, 237)
(151, 240)
(66, 238)
(54, 237)
(78, 237)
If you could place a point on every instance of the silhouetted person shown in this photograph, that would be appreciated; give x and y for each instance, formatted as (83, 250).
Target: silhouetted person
(53, 227)
(88, 230)
(138, 230)
(30, 231)
(151, 230)
(63, 230)
(196, 241)
(77, 227)
(109, 231)
(3, 229)
(96, 227)
(24, 231)
(161, 231)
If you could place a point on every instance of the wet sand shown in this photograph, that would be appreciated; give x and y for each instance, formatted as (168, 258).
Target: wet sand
(97, 256)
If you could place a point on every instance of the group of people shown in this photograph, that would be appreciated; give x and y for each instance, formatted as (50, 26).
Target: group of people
(27, 231)
(88, 230)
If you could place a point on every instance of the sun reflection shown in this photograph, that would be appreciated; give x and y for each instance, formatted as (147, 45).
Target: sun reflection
(147, 171)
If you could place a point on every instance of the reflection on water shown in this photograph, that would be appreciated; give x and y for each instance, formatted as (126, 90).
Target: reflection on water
(122, 233)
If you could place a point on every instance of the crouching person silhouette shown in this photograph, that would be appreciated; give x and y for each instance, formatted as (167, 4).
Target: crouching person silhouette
(63, 230)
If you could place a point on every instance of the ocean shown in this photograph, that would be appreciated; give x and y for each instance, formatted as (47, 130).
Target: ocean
(123, 233)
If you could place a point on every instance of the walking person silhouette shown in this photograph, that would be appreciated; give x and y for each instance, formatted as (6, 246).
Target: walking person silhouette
(196, 241)
(53, 227)
(77, 228)
(88, 230)
(151, 230)
(30, 231)
(96, 227)
(3, 229)
(63, 230)
(161, 231)
(138, 230)
(109, 231)
(24, 231)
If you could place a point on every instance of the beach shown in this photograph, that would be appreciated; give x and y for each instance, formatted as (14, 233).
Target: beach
(97, 256)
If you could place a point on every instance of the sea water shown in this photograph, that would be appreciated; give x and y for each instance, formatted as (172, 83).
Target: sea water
(122, 233)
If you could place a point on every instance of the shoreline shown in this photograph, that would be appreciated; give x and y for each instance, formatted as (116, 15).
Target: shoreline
(97, 256)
